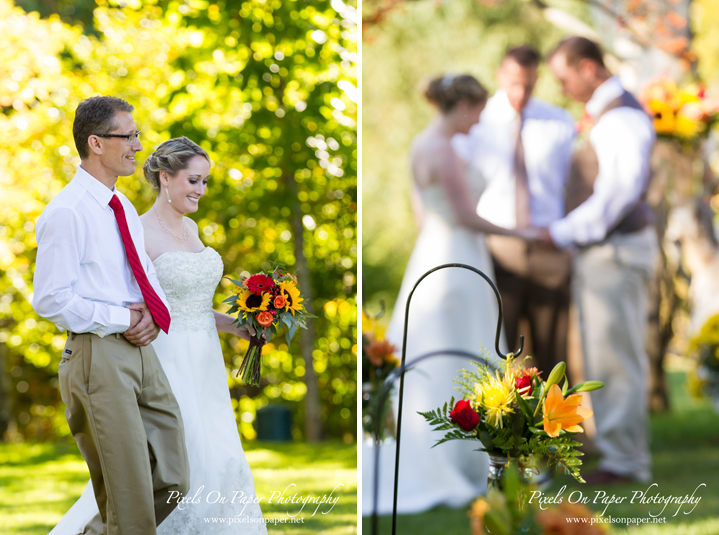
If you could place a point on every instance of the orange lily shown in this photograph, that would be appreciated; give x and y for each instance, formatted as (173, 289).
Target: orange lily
(562, 413)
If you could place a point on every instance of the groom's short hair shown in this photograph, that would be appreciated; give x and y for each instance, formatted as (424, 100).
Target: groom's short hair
(575, 49)
(96, 115)
(524, 55)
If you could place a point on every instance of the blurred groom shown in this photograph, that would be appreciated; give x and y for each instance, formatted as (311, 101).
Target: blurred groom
(522, 146)
(612, 229)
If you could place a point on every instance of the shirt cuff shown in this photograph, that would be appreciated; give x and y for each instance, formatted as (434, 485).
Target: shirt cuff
(120, 318)
(561, 233)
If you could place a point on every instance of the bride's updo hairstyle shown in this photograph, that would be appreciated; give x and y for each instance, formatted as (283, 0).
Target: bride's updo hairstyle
(448, 90)
(171, 156)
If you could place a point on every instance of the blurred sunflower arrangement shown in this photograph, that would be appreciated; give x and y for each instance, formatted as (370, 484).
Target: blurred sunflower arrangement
(682, 112)
(510, 513)
(703, 378)
(378, 361)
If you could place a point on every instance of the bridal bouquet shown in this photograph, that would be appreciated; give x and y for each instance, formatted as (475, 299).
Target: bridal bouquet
(514, 413)
(268, 302)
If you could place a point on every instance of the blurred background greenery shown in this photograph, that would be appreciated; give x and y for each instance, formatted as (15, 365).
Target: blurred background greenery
(268, 88)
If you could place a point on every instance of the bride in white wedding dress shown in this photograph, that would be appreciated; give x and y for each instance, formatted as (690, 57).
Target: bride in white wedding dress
(191, 357)
(452, 309)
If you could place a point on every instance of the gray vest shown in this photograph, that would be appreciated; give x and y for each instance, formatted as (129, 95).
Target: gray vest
(584, 171)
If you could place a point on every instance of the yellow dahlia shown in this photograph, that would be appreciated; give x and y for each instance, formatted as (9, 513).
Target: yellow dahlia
(249, 301)
(292, 295)
(496, 396)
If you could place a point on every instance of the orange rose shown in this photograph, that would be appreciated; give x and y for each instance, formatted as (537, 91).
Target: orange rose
(280, 301)
(265, 319)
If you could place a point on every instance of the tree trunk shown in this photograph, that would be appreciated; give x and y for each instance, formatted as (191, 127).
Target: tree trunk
(313, 422)
(5, 404)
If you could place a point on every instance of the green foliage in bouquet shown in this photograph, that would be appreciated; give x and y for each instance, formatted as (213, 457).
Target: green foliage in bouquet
(514, 413)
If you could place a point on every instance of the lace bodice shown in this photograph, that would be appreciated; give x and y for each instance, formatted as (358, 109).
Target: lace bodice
(436, 204)
(189, 281)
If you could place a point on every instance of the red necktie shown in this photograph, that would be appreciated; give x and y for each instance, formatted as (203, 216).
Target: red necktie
(154, 303)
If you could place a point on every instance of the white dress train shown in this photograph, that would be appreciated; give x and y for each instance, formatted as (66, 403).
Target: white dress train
(451, 309)
(191, 357)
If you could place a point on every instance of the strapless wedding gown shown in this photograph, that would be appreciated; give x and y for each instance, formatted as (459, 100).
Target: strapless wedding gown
(451, 309)
(191, 357)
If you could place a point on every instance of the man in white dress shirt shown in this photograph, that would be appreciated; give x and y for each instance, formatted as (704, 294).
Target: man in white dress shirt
(522, 146)
(94, 280)
(611, 227)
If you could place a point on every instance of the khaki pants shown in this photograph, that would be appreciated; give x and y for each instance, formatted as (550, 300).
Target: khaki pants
(610, 286)
(127, 424)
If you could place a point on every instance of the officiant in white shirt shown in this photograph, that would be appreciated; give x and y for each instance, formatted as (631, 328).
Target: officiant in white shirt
(522, 147)
(611, 228)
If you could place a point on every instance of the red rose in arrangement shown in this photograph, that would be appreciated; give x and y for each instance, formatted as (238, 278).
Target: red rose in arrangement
(265, 319)
(259, 283)
(464, 415)
(280, 301)
(523, 385)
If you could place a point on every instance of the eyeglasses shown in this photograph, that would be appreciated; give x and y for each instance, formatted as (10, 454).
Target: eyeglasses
(131, 138)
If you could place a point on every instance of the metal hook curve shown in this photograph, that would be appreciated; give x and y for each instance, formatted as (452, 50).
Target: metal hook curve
(499, 308)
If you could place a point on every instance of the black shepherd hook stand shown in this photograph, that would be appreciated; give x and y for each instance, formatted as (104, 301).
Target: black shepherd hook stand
(400, 372)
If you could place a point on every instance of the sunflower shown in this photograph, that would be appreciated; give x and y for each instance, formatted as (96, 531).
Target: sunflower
(292, 295)
(688, 122)
(663, 116)
(496, 396)
(249, 301)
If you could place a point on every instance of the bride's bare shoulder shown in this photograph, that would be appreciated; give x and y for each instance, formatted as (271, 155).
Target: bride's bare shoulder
(191, 224)
(429, 142)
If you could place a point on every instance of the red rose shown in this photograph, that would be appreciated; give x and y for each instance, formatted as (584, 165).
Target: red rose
(464, 415)
(524, 385)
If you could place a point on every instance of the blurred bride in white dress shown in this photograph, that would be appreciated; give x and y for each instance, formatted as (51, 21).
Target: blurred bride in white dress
(452, 309)
(191, 357)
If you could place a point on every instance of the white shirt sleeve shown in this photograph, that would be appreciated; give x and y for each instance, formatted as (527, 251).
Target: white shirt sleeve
(57, 269)
(622, 140)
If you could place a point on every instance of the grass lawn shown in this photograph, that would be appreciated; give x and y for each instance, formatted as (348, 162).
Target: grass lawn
(685, 450)
(39, 482)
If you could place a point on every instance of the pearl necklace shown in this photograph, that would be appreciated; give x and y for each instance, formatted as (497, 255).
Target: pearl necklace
(183, 239)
